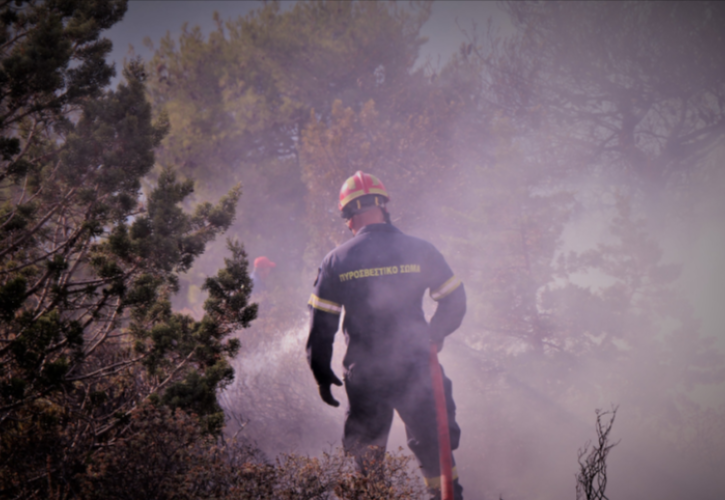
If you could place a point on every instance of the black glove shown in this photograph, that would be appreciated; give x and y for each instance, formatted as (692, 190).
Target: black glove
(325, 392)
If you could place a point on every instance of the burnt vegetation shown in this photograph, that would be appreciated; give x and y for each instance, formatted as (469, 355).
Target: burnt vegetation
(592, 476)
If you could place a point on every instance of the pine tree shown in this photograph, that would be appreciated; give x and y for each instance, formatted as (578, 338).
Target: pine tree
(88, 263)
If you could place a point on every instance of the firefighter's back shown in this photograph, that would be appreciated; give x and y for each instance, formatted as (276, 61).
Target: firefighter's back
(382, 275)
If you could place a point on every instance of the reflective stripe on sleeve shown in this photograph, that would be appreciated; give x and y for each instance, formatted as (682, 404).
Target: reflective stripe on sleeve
(435, 482)
(445, 289)
(324, 305)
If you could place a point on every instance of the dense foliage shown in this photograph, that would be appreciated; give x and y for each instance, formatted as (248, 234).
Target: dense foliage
(89, 263)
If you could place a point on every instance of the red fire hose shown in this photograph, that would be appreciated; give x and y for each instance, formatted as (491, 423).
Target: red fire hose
(444, 437)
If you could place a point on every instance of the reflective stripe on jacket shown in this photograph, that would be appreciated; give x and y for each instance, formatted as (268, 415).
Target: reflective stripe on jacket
(379, 278)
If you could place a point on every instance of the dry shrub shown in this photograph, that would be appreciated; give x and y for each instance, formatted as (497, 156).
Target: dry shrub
(387, 478)
(168, 457)
(165, 456)
(330, 477)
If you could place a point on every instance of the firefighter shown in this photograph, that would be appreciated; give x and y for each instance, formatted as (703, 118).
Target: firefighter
(379, 278)
(262, 267)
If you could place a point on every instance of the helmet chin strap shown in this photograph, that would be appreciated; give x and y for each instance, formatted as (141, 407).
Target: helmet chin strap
(384, 208)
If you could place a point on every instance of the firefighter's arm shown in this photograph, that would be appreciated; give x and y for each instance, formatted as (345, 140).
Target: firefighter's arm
(451, 298)
(324, 321)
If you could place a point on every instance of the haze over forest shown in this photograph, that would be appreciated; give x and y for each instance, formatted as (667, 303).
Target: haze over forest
(565, 157)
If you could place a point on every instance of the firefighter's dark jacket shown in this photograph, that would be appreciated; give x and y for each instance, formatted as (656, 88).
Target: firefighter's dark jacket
(379, 278)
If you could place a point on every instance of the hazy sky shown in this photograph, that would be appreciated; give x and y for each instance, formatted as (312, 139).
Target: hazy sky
(154, 18)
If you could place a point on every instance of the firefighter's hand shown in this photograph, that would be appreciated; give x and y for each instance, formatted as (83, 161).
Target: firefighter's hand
(326, 393)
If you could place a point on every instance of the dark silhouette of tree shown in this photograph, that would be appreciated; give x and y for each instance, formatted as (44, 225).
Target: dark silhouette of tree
(88, 262)
(638, 86)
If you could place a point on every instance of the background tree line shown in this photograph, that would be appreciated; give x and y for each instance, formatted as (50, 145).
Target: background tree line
(585, 115)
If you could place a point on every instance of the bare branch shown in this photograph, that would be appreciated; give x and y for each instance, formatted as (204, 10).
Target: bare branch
(592, 476)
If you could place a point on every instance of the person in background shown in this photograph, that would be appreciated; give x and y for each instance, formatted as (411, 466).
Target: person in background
(262, 267)
(379, 277)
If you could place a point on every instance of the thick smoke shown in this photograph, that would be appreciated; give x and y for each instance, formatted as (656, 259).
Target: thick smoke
(524, 417)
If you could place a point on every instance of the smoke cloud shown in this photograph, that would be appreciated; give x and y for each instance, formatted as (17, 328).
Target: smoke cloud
(526, 401)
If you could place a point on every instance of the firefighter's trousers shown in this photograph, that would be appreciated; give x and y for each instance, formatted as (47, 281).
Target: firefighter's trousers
(374, 394)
